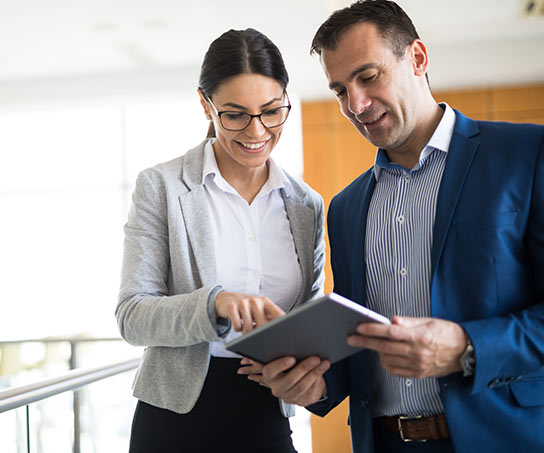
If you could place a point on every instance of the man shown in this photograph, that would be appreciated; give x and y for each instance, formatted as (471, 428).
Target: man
(445, 235)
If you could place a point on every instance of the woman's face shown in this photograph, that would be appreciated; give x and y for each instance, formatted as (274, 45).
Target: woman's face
(245, 93)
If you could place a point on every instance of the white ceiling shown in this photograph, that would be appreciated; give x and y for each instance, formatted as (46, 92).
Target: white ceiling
(64, 47)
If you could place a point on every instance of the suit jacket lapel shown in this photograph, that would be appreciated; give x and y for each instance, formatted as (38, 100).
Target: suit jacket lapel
(462, 149)
(357, 245)
(195, 214)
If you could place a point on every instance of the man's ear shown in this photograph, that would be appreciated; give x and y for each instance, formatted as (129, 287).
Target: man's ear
(419, 57)
(204, 103)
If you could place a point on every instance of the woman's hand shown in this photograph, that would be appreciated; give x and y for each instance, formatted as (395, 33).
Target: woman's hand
(246, 312)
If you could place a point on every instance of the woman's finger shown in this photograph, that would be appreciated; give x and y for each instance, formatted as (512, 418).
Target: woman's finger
(271, 310)
(245, 313)
(234, 316)
(257, 305)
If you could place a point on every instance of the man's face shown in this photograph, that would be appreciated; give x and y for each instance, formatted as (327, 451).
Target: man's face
(377, 91)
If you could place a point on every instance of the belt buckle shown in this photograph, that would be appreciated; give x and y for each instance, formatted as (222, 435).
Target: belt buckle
(399, 422)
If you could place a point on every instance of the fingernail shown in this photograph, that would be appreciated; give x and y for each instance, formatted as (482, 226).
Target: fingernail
(314, 361)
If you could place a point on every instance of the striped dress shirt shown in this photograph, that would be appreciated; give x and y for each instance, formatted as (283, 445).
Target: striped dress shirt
(398, 261)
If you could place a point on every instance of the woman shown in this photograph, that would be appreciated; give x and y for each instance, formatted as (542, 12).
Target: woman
(217, 242)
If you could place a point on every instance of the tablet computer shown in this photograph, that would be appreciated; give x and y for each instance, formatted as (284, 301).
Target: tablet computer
(319, 327)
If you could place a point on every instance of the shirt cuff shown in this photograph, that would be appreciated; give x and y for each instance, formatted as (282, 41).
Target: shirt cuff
(220, 325)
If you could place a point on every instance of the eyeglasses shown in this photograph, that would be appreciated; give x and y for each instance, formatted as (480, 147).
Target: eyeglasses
(238, 121)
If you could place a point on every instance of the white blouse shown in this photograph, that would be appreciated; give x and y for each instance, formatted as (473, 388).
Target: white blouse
(254, 247)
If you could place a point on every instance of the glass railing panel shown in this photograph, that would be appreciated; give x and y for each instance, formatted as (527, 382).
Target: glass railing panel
(13, 428)
(51, 424)
(106, 411)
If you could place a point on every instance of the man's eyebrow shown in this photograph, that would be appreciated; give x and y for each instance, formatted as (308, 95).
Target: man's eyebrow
(354, 74)
(241, 107)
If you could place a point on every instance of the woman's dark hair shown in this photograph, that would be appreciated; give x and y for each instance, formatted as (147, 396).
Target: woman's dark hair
(238, 52)
(392, 22)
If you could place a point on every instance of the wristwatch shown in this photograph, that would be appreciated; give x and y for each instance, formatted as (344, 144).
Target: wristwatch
(468, 360)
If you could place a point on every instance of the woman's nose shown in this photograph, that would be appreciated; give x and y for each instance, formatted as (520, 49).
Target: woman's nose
(255, 127)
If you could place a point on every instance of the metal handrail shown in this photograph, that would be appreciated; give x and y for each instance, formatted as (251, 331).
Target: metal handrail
(74, 339)
(15, 397)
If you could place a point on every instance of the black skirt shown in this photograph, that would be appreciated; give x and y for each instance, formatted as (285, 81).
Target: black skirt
(232, 414)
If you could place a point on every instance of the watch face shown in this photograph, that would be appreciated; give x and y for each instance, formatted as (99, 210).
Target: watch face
(468, 360)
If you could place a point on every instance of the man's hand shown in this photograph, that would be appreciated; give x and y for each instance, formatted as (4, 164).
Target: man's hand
(414, 347)
(302, 384)
(246, 312)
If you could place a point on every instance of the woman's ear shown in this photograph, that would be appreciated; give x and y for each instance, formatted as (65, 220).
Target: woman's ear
(204, 104)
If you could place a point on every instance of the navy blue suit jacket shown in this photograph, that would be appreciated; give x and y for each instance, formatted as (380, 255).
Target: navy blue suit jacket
(487, 274)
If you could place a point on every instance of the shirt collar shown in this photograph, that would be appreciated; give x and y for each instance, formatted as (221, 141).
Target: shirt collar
(276, 177)
(440, 140)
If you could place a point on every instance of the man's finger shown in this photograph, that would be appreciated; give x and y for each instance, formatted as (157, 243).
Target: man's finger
(385, 331)
(285, 383)
(380, 345)
(275, 368)
(408, 321)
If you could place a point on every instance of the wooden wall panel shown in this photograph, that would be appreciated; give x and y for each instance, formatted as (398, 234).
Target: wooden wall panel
(331, 433)
(518, 99)
(335, 154)
(476, 103)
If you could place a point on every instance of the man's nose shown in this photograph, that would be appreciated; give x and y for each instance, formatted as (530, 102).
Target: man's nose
(358, 101)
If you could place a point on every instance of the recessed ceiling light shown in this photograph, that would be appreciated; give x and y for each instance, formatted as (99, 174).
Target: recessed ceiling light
(155, 23)
(104, 26)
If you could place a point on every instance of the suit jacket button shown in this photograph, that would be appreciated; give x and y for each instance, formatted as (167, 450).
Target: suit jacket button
(364, 401)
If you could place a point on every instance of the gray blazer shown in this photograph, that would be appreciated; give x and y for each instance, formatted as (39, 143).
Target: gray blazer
(169, 271)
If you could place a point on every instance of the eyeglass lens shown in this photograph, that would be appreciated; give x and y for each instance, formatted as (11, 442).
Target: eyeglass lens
(238, 120)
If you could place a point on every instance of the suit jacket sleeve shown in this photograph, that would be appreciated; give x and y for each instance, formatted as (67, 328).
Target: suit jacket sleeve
(510, 347)
(336, 378)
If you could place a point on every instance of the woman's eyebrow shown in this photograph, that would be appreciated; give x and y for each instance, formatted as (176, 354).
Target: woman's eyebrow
(241, 107)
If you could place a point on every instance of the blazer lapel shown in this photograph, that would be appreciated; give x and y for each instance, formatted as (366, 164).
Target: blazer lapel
(301, 219)
(195, 214)
(460, 155)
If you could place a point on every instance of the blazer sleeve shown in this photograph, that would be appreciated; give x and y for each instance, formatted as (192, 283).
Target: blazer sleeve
(147, 315)
(510, 347)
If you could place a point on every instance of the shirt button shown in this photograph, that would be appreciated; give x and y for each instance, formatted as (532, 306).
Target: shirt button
(255, 272)
(251, 238)
(408, 382)
(400, 219)
(407, 178)
(403, 272)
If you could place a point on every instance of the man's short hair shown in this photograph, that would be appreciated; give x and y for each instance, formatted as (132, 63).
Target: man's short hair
(392, 22)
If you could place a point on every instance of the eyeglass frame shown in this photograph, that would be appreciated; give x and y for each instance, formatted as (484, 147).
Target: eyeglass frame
(218, 113)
